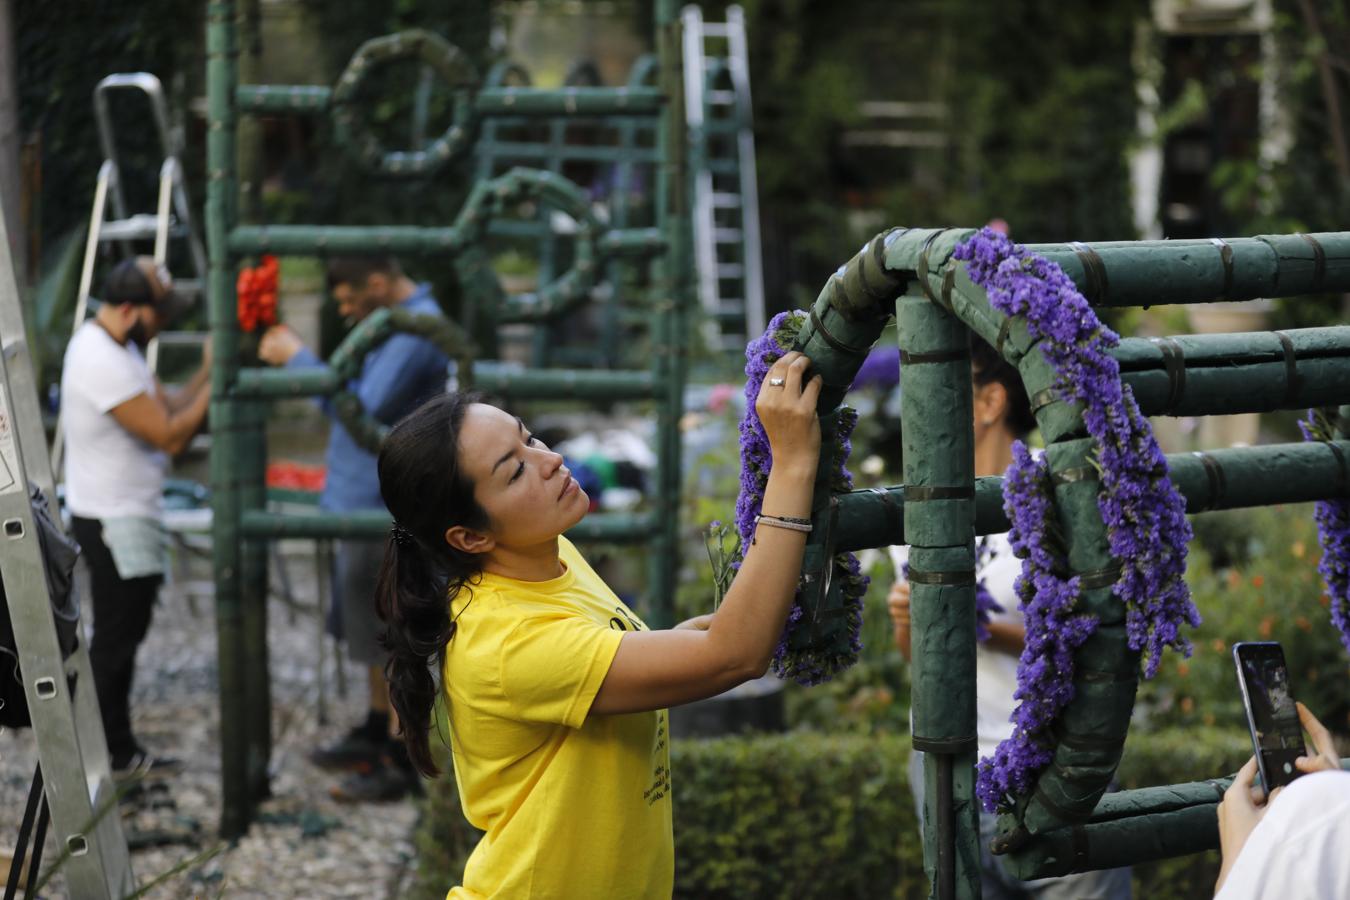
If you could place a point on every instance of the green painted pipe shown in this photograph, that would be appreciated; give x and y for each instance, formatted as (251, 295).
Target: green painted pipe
(225, 420)
(497, 101)
(565, 384)
(936, 417)
(608, 528)
(1232, 478)
(1126, 828)
(255, 383)
(304, 240)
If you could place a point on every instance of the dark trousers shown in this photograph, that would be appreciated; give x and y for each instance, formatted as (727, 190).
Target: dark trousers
(122, 609)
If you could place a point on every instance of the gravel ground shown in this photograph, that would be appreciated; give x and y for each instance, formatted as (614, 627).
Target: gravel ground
(304, 844)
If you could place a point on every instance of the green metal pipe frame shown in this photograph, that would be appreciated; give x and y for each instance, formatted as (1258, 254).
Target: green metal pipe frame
(1131, 827)
(258, 524)
(226, 420)
(1214, 480)
(409, 239)
(493, 101)
(914, 266)
(936, 429)
(240, 522)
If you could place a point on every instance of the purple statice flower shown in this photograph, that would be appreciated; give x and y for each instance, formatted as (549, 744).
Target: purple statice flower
(1054, 631)
(1144, 514)
(810, 665)
(1333, 531)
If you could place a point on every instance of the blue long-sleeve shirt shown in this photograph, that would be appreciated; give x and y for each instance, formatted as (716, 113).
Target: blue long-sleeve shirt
(395, 378)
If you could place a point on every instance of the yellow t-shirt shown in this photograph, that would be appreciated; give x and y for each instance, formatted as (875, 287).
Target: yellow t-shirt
(573, 806)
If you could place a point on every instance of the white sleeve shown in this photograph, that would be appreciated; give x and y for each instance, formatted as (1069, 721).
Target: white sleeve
(1297, 850)
(109, 375)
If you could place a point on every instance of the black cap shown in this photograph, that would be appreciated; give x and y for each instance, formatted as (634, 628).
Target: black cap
(142, 281)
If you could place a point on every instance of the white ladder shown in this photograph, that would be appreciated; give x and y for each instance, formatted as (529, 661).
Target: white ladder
(172, 218)
(72, 749)
(725, 187)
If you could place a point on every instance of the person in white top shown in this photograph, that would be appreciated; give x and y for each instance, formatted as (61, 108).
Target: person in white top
(1294, 846)
(1002, 416)
(121, 427)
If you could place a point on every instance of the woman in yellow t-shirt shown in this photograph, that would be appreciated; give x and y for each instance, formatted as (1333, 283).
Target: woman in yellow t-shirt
(556, 691)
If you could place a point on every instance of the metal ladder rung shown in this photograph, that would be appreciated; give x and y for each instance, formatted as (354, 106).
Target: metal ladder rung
(140, 227)
(722, 98)
(732, 306)
(726, 200)
(726, 235)
(730, 270)
(712, 30)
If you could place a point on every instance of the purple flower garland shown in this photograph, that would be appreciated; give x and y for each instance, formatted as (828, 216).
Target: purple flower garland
(811, 665)
(1145, 516)
(1333, 531)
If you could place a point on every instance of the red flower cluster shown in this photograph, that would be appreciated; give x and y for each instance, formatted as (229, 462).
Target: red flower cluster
(295, 476)
(257, 292)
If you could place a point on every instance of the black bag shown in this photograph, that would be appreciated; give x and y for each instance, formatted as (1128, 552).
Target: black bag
(58, 555)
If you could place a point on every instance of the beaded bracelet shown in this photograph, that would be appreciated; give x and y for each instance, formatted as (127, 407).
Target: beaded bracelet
(792, 523)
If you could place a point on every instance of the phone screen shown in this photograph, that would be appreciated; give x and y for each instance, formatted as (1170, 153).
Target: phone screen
(1271, 713)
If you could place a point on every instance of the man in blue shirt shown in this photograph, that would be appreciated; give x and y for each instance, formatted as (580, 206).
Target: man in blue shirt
(396, 377)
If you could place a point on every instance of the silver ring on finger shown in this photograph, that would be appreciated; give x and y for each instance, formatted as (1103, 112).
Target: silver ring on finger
(775, 382)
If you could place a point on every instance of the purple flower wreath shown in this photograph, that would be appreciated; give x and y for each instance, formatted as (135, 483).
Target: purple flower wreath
(813, 664)
(1333, 530)
(1145, 516)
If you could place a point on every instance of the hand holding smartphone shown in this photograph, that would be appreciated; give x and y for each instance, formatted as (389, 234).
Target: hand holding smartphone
(1272, 715)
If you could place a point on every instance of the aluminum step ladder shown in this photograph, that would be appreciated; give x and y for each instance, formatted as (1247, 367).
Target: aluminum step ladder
(72, 750)
(171, 220)
(725, 186)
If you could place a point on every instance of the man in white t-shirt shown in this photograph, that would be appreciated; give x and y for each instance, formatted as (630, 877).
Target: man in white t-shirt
(121, 427)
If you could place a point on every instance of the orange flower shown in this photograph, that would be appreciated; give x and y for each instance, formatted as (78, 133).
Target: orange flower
(1233, 579)
(1266, 627)
(1187, 705)
(1219, 645)
(1183, 669)
(1298, 549)
(1325, 601)
(1257, 581)
(1303, 623)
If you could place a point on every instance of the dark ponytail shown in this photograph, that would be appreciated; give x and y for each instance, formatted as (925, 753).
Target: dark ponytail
(424, 488)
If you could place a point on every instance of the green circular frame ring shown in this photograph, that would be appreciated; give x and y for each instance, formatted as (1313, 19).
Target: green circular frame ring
(352, 126)
(493, 198)
(375, 329)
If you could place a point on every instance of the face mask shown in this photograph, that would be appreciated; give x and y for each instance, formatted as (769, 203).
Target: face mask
(139, 334)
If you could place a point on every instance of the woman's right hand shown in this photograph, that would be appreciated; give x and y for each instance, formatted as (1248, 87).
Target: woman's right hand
(1325, 758)
(788, 411)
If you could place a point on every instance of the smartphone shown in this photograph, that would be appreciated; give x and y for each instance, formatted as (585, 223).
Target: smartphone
(1271, 714)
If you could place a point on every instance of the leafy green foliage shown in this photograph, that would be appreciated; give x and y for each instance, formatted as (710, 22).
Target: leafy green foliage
(1269, 591)
(1044, 101)
(807, 815)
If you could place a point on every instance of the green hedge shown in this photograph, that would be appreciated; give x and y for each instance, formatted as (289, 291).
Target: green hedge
(806, 815)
